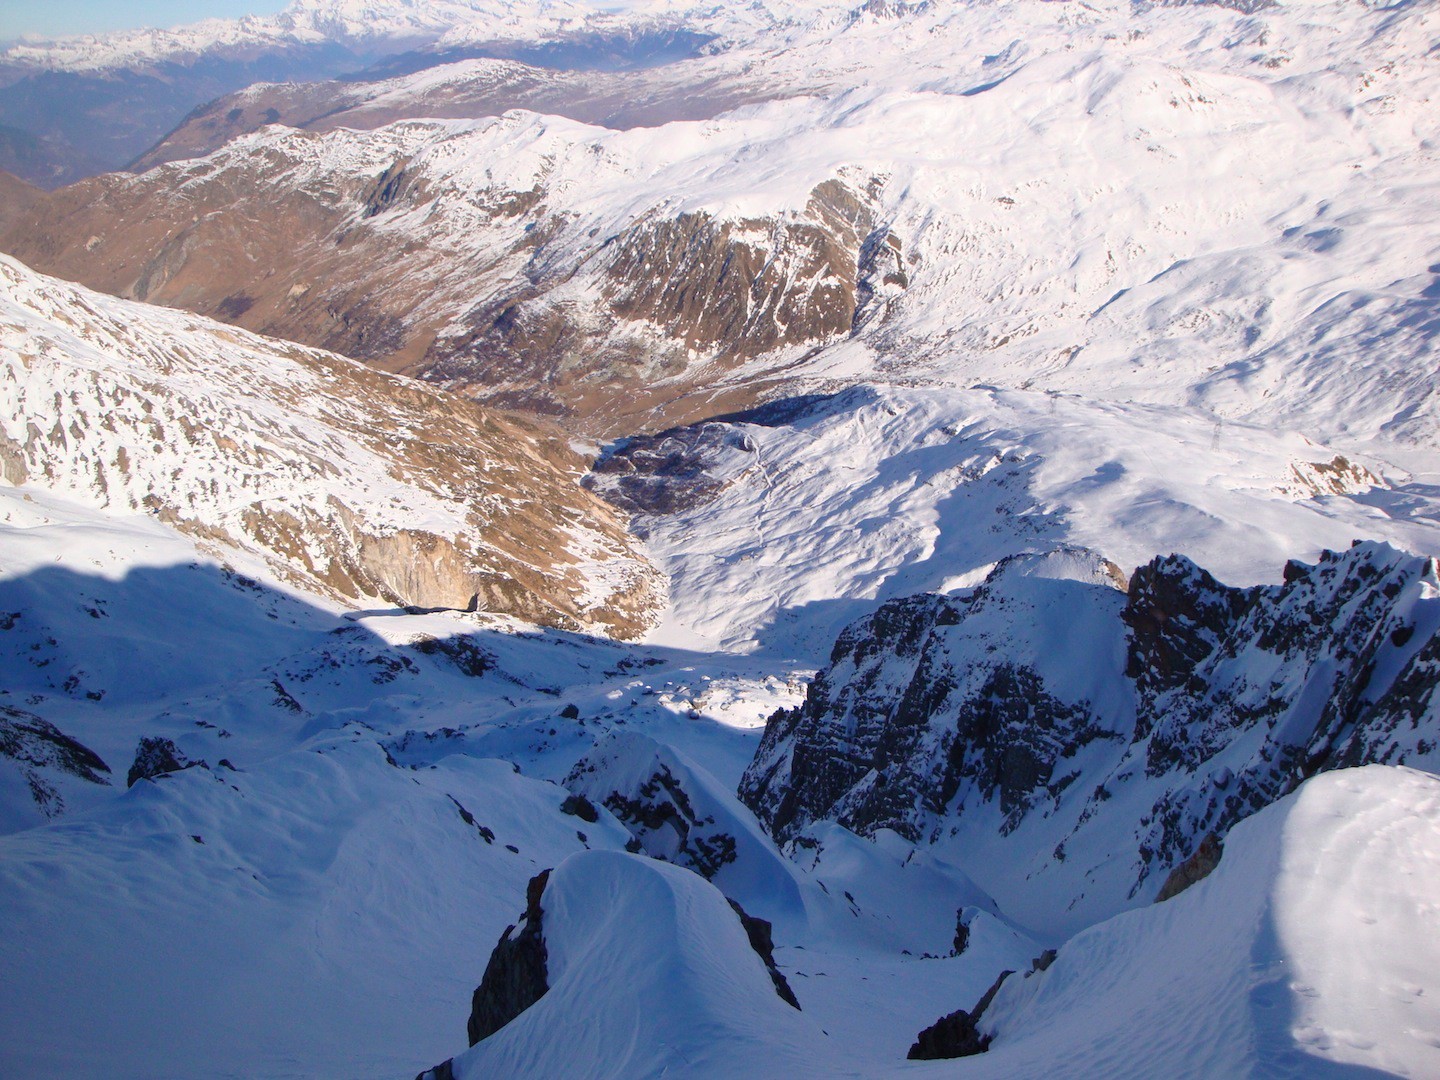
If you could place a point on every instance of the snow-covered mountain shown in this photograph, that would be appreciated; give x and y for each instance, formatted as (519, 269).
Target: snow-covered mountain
(1069, 743)
(1057, 379)
(81, 105)
(396, 23)
(780, 525)
(1179, 205)
(352, 483)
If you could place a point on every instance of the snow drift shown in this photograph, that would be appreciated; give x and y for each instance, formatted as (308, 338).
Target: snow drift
(1310, 951)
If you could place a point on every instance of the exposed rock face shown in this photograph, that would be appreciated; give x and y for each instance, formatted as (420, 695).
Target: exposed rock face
(1337, 667)
(42, 752)
(963, 918)
(630, 777)
(902, 719)
(157, 756)
(515, 978)
(956, 1035)
(758, 931)
(350, 482)
(581, 807)
(1197, 867)
(1200, 703)
(677, 812)
(731, 286)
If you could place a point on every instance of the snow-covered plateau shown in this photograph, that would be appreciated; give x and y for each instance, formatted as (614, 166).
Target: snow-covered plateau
(793, 539)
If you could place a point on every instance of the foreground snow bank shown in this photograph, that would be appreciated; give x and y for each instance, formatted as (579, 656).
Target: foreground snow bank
(650, 972)
(1314, 944)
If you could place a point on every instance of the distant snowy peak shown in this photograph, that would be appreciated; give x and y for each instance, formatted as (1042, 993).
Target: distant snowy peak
(305, 22)
(353, 484)
(380, 27)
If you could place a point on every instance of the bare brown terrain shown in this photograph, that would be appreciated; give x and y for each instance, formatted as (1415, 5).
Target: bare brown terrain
(491, 291)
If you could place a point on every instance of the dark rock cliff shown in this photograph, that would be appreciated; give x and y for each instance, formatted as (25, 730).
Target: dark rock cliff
(1198, 702)
(157, 756)
(516, 977)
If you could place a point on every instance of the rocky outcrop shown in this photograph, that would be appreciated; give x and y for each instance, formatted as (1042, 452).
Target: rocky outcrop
(963, 918)
(581, 807)
(631, 777)
(43, 754)
(1196, 868)
(515, 978)
(758, 931)
(651, 972)
(1197, 702)
(741, 288)
(678, 813)
(1337, 667)
(912, 708)
(956, 1035)
(157, 756)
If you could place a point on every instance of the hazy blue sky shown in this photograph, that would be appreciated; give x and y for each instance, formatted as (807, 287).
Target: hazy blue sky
(53, 18)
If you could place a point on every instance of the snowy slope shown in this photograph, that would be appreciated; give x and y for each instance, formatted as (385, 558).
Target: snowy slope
(779, 527)
(1311, 946)
(690, 995)
(1310, 951)
(1187, 253)
(359, 771)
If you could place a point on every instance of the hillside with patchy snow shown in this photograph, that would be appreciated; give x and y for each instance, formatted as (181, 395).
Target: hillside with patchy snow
(355, 484)
(1183, 205)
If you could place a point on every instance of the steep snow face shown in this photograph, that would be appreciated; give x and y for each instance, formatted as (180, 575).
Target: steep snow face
(1310, 949)
(354, 483)
(780, 526)
(686, 991)
(1066, 744)
(1175, 205)
(338, 868)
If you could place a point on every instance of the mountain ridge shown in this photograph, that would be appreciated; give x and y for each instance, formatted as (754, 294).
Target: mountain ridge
(356, 483)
